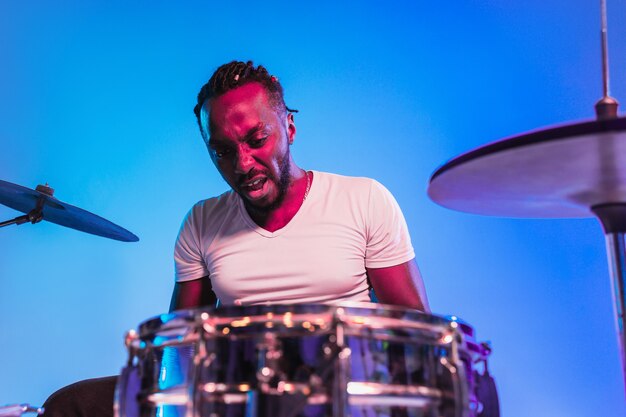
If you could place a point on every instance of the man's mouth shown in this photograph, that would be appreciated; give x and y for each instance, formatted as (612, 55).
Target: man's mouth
(254, 184)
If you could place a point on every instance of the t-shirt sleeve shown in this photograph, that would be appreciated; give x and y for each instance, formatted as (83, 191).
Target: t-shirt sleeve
(188, 261)
(388, 239)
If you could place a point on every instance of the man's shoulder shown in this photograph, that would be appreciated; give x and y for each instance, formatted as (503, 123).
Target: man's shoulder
(347, 184)
(364, 189)
(214, 206)
(344, 180)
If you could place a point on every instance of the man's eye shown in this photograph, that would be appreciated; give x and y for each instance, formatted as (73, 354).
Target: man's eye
(258, 142)
(220, 153)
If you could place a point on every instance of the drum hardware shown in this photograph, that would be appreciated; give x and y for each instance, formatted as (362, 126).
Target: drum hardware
(457, 377)
(36, 214)
(340, 405)
(269, 374)
(281, 398)
(484, 398)
(16, 410)
(489, 406)
(40, 204)
(571, 171)
(274, 395)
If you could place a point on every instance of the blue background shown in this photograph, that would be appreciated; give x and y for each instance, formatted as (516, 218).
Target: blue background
(96, 98)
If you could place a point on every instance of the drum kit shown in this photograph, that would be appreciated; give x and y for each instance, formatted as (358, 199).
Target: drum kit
(366, 359)
(284, 360)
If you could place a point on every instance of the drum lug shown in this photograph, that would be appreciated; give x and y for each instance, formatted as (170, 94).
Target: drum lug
(459, 387)
(269, 374)
(131, 341)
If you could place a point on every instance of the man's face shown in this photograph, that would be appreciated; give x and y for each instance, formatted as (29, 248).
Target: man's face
(249, 144)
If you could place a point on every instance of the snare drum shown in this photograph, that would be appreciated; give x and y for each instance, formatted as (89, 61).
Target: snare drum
(300, 361)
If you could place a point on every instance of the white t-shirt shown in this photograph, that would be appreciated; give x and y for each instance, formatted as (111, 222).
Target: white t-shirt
(345, 225)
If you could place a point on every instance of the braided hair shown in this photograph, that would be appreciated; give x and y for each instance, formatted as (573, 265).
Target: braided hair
(236, 74)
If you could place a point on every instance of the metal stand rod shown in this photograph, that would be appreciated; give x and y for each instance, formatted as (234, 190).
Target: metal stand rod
(33, 216)
(612, 216)
(606, 107)
(615, 248)
(18, 220)
(17, 410)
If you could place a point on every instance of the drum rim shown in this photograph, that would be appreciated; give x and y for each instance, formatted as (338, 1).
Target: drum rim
(188, 317)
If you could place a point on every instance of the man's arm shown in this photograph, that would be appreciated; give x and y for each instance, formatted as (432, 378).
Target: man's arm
(192, 294)
(400, 285)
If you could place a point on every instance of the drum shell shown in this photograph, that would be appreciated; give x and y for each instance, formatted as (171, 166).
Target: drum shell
(321, 360)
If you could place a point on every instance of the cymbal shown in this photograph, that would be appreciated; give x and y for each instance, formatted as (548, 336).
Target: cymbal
(53, 210)
(558, 172)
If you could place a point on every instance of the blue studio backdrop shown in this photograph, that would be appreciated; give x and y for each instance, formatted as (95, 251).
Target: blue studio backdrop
(96, 99)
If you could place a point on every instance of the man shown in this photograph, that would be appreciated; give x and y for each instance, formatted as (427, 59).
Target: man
(281, 234)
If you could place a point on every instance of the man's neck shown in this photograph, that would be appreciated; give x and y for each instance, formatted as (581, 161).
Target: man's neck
(278, 217)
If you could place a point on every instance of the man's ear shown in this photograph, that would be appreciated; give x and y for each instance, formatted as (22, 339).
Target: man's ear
(291, 128)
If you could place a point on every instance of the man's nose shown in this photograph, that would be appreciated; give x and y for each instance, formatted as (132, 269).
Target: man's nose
(243, 161)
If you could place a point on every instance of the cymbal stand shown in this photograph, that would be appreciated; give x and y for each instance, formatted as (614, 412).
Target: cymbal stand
(613, 215)
(36, 214)
(613, 219)
(16, 410)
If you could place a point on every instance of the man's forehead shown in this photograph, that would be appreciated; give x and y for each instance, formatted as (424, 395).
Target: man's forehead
(246, 105)
(253, 94)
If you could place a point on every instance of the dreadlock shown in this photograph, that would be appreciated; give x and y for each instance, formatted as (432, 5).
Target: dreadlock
(235, 74)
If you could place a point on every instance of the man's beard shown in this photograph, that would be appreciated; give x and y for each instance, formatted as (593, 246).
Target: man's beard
(282, 184)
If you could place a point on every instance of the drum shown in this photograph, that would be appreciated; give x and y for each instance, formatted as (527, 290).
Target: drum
(301, 361)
